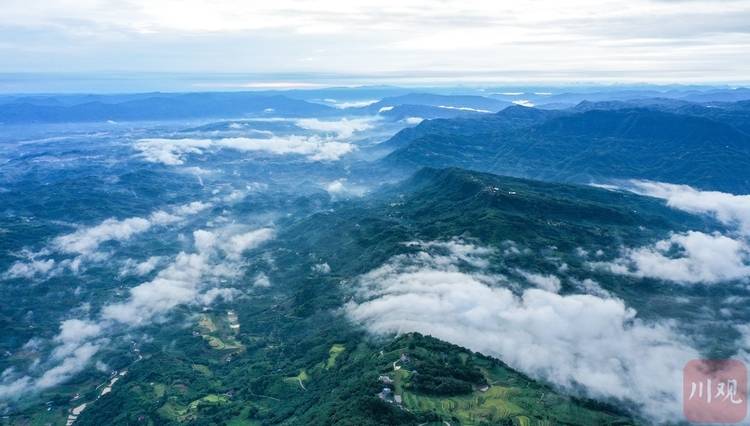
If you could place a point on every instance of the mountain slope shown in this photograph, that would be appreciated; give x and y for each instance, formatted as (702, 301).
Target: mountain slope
(589, 146)
(297, 359)
(513, 118)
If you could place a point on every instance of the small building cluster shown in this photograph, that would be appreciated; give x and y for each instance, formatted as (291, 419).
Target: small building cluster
(387, 393)
(385, 380)
(74, 413)
(233, 321)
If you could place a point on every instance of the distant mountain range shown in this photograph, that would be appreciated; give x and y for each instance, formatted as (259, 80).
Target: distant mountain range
(506, 266)
(568, 99)
(448, 102)
(702, 146)
(395, 104)
(735, 114)
(156, 107)
(169, 106)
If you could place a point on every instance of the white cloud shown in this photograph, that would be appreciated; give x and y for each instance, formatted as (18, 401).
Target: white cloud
(261, 280)
(183, 281)
(524, 102)
(176, 285)
(538, 332)
(70, 366)
(413, 120)
(170, 151)
(385, 109)
(73, 352)
(191, 278)
(336, 187)
(691, 257)
(590, 286)
(191, 208)
(235, 195)
(131, 267)
(546, 282)
(464, 108)
(204, 240)
(731, 210)
(351, 104)
(30, 269)
(744, 330)
(237, 244)
(76, 331)
(501, 40)
(315, 148)
(322, 268)
(453, 251)
(343, 128)
(211, 295)
(341, 188)
(85, 242)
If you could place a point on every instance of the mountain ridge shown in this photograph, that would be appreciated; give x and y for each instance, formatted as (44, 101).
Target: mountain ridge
(584, 147)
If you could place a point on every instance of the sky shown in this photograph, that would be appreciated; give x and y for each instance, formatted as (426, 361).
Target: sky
(657, 41)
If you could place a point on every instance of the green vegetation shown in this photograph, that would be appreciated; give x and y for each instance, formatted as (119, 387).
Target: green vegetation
(159, 390)
(218, 333)
(299, 379)
(295, 359)
(583, 147)
(334, 353)
(208, 400)
(496, 394)
(202, 369)
(206, 324)
(282, 351)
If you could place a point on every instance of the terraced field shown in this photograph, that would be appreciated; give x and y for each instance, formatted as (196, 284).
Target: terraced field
(505, 397)
(218, 332)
